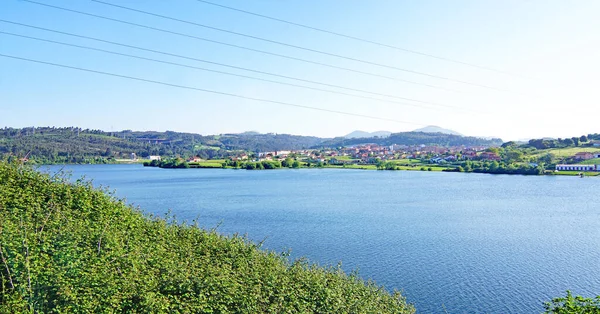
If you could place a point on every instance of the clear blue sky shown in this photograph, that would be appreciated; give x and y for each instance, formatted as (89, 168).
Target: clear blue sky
(551, 47)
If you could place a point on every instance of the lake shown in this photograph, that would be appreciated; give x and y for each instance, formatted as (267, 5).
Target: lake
(451, 242)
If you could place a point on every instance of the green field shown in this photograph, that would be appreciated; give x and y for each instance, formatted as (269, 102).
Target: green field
(406, 161)
(364, 167)
(567, 152)
(595, 161)
(576, 173)
(343, 158)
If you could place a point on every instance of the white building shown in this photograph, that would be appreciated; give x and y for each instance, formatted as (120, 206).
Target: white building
(154, 157)
(577, 167)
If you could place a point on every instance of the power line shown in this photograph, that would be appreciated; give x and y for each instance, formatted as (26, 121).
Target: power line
(241, 47)
(360, 39)
(229, 66)
(214, 71)
(298, 47)
(209, 91)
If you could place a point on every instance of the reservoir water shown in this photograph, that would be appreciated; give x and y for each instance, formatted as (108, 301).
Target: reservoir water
(451, 242)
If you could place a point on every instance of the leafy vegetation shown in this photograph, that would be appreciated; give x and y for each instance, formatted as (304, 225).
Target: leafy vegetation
(496, 167)
(573, 304)
(68, 248)
(168, 163)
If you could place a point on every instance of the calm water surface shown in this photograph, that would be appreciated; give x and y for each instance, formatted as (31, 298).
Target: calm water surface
(461, 243)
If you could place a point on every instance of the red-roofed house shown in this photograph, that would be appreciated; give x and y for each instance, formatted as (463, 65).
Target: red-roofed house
(584, 156)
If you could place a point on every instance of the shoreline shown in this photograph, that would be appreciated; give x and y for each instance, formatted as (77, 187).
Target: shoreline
(358, 167)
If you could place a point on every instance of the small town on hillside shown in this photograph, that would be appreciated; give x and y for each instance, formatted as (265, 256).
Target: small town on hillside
(371, 154)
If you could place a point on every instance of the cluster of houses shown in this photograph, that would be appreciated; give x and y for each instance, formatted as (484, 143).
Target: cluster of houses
(372, 153)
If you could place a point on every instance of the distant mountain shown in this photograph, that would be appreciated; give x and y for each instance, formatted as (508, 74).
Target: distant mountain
(363, 134)
(437, 129)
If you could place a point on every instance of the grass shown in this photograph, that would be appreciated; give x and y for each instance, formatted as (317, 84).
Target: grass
(407, 161)
(567, 152)
(575, 173)
(344, 158)
(594, 161)
(206, 164)
(69, 248)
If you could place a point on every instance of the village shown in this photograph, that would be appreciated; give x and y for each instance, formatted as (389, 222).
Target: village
(372, 154)
(436, 156)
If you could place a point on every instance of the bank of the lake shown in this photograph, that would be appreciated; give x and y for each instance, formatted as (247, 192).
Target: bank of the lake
(487, 168)
(465, 243)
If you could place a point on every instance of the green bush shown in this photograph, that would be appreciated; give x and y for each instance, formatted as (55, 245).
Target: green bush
(68, 248)
(573, 304)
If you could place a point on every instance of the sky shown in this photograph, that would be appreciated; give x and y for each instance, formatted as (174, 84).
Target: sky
(512, 69)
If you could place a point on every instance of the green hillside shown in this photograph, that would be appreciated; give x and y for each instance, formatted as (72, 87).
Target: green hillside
(68, 248)
(416, 138)
(76, 145)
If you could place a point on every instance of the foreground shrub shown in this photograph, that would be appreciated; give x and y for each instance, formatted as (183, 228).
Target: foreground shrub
(68, 248)
(573, 304)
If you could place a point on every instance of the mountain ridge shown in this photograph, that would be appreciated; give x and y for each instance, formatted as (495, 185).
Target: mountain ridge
(437, 129)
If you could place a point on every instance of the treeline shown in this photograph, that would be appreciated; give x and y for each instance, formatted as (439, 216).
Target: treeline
(545, 143)
(75, 145)
(496, 167)
(179, 163)
(416, 138)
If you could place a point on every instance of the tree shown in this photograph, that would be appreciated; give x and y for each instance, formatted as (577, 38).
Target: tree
(583, 139)
(568, 142)
(495, 150)
(513, 155)
(575, 140)
(546, 159)
(509, 144)
(296, 164)
(494, 166)
(287, 162)
(108, 152)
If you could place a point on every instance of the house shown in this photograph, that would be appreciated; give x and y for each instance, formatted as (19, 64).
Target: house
(437, 160)
(595, 143)
(450, 158)
(282, 153)
(583, 156)
(489, 156)
(470, 154)
(154, 157)
(577, 167)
